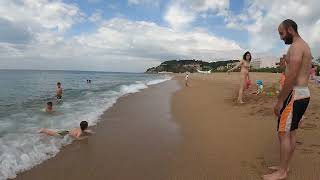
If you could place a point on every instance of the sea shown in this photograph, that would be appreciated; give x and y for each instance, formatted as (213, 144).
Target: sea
(24, 94)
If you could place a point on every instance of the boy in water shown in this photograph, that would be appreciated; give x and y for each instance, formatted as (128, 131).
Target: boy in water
(59, 91)
(48, 108)
(76, 133)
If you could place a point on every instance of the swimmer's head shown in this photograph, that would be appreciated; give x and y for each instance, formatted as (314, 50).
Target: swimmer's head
(49, 106)
(247, 56)
(83, 125)
(58, 84)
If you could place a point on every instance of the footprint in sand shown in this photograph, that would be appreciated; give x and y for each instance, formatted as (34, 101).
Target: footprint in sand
(306, 151)
(260, 111)
(309, 126)
(315, 145)
(299, 143)
(252, 167)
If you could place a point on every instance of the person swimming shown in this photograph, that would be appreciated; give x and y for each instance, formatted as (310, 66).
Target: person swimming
(76, 133)
(59, 91)
(48, 108)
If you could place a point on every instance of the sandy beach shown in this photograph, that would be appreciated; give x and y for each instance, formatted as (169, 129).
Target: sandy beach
(169, 131)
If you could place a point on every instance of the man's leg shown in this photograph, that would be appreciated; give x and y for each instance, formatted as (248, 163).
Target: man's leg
(293, 141)
(285, 154)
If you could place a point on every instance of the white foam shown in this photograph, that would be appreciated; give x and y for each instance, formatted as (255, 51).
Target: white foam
(157, 81)
(21, 151)
(133, 88)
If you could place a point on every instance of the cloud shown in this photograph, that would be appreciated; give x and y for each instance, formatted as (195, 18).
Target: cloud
(34, 36)
(14, 33)
(41, 14)
(96, 16)
(138, 2)
(181, 13)
(261, 19)
(132, 45)
(179, 18)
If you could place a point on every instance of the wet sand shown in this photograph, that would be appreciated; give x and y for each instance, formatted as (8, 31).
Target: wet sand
(195, 133)
(135, 139)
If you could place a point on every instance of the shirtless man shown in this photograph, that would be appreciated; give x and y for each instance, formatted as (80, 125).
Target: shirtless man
(59, 91)
(294, 97)
(76, 133)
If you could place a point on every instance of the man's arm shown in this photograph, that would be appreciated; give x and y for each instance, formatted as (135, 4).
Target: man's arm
(295, 60)
(78, 136)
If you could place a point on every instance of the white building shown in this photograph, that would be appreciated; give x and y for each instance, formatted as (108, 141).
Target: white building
(264, 62)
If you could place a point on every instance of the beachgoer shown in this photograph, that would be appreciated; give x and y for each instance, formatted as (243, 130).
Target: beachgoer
(48, 108)
(313, 72)
(294, 97)
(76, 133)
(59, 91)
(187, 80)
(244, 74)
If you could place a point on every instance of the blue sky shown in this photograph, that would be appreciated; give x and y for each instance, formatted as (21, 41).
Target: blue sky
(67, 34)
(154, 13)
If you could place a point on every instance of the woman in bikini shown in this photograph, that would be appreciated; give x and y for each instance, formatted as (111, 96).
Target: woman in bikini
(244, 74)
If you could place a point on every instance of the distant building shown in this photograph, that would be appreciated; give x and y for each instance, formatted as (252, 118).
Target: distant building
(256, 63)
(264, 62)
(221, 68)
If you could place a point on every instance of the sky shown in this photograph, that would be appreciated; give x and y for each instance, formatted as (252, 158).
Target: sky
(132, 35)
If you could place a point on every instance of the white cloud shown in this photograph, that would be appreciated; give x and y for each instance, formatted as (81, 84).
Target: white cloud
(137, 44)
(137, 2)
(54, 15)
(33, 36)
(96, 16)
(261, 19)
(181, 13)
(179, 18)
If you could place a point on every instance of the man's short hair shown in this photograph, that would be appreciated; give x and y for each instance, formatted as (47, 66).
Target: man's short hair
(290, 23)
(83, 125)
(49, 103)
(58, 83)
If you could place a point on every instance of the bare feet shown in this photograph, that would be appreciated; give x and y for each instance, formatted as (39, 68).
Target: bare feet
(276, 168)
(240, 102)
(280, 174)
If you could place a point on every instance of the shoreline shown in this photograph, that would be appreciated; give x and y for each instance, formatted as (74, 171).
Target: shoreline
(124, 141)
(169, 131)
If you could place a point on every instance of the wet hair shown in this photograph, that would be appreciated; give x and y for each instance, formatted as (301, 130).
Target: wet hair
(245, 54)
(58, 83)
(49, 103)
(312, 65)
(290, 23)
(83, 125)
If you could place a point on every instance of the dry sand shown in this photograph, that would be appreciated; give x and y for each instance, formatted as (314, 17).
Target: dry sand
(223, 140)
(196, 133)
